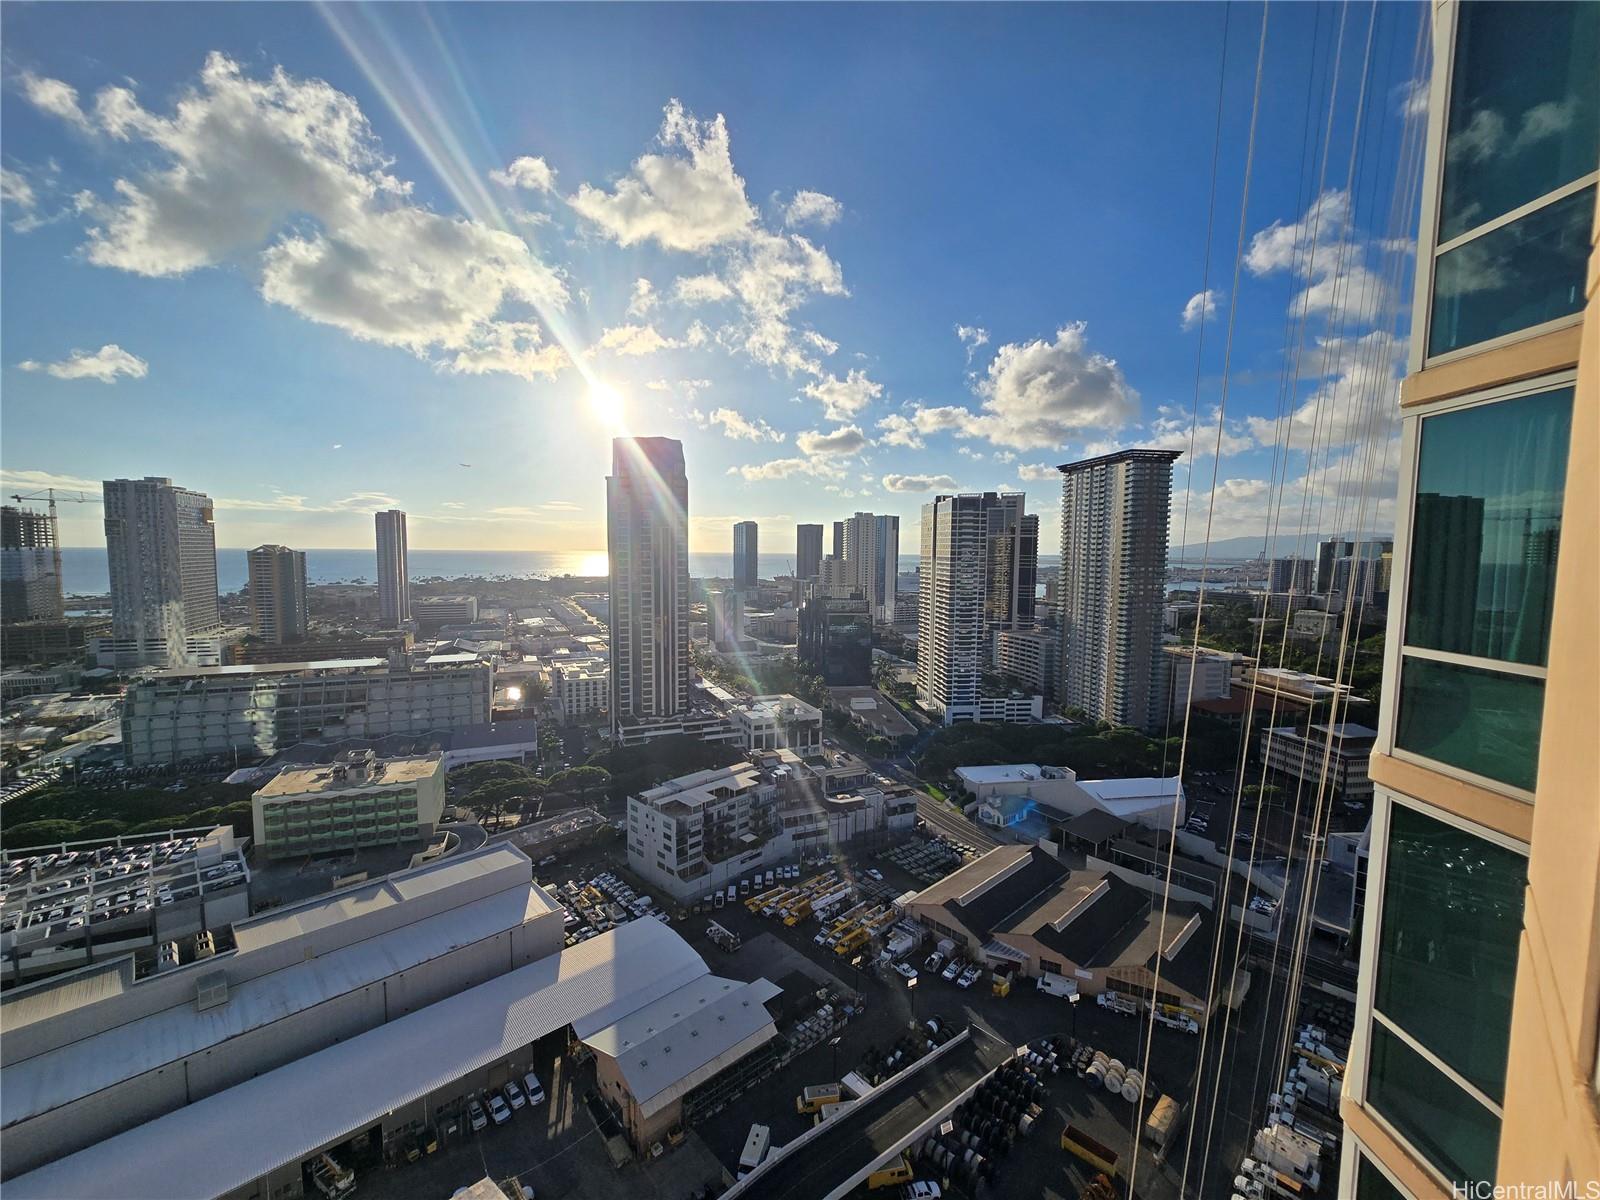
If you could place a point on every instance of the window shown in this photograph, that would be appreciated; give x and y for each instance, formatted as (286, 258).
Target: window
(1522, 137)
(1447, 947)
(1459, 1136)
(1372, 1183)
(1485, 537)
(1524, 108)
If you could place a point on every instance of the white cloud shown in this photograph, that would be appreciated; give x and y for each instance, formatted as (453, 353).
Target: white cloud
(1325, 250)
(736, 425)
(969, 452)
(634, 340)
(812, 208)
(286, 172)
(54, 97)
(814, 339)
(1171, 430)
(1356, 396)
(102, 365)
(644, 298)
(972, 336)
(846, 440)
(1004, 456)
(510, 348)
(844, 398)
(783, 468)
(1201, 306)
(691, 200)
(527, 172)
(1038, 471)
(899, 431)
(771, 276)
(919, 483)
(1037, 394)
(15, 189)
(700, 289)
(1412, 98)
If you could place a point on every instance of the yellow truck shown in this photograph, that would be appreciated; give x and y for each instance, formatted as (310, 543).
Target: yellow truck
(814, 1097)
(892, 1175)
(853, 941)
(1076, 1141)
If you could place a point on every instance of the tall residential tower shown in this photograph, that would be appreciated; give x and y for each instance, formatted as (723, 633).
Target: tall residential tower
(1114, 513)
(277, 591)
(647, 534)
(161, 548)
(872, 561)
(807, 551)
(394, 580)
(745, 551)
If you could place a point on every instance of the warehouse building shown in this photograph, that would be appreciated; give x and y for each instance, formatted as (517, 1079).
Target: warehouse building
(1020, 909)
(372, 1014)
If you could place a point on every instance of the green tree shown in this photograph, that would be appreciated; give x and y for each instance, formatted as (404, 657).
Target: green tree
(38, 833)
(582, 782)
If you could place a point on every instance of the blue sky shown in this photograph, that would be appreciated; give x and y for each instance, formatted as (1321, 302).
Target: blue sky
(317, 261)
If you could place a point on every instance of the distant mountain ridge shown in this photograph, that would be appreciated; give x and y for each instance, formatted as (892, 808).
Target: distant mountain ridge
(1285, 544)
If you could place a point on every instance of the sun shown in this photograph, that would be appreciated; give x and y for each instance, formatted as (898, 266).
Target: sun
(605, 402)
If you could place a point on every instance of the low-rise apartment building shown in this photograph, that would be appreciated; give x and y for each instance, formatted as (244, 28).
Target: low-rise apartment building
(359, 800)
(581, 688)
(778, 723)
(1343, 750)
(695, 834)
(1032, 656)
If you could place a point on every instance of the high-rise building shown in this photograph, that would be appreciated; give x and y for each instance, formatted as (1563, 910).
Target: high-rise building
(1114, 512)
(1473, 1061)
(394, 579)
(835, 640)
(1291, 574)
(277, 590)
(1011, 558)
(161, 548)
(745, 551)
(838, 540)
(1328, 553)
(725, 618)
(647, 534)
(978, 563)
(807, 551)
(30, 566)
(872, 561)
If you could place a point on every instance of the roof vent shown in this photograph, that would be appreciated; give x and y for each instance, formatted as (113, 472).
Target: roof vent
(211, 990)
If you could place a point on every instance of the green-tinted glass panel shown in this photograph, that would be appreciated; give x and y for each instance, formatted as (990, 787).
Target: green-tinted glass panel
(1490, 484)
(1451, 1129)
(1524, 107)
(1373, 1184)
(1486, 722)
(1447, 948)
(1515, 277)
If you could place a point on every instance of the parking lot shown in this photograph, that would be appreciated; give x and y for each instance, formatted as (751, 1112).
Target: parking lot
(561, 1153)
(53, 894)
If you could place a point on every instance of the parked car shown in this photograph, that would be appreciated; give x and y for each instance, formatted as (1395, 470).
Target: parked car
(531, 1085)
(906, 969)
(934, 962)
(514, 1096)
(970, 976)
(498, 1109)
(952, 972)
(476, 1116)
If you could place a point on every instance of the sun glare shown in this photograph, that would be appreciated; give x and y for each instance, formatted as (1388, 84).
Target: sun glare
(606, 404)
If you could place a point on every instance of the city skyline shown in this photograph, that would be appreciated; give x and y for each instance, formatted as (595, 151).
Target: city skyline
(982, 370)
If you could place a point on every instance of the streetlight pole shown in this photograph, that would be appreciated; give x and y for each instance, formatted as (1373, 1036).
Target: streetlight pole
(834, 1042)
(911, 986)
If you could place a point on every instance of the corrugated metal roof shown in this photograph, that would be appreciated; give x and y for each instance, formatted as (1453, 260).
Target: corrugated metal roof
(689, 1028)
(50, 998)
(318, 1099)
(80, 1068)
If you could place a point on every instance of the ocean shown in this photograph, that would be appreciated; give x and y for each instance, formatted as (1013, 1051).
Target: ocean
(84, 571)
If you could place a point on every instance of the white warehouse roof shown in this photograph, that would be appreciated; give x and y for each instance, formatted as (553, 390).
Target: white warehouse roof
(318, 1099)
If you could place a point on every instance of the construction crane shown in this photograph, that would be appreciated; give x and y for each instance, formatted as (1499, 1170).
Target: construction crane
(50, 495)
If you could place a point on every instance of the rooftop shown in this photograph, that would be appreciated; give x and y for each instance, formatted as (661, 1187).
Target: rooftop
(385, 772)
(293, 1110)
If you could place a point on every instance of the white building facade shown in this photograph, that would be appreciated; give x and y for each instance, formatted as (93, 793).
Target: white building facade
(394, 580)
